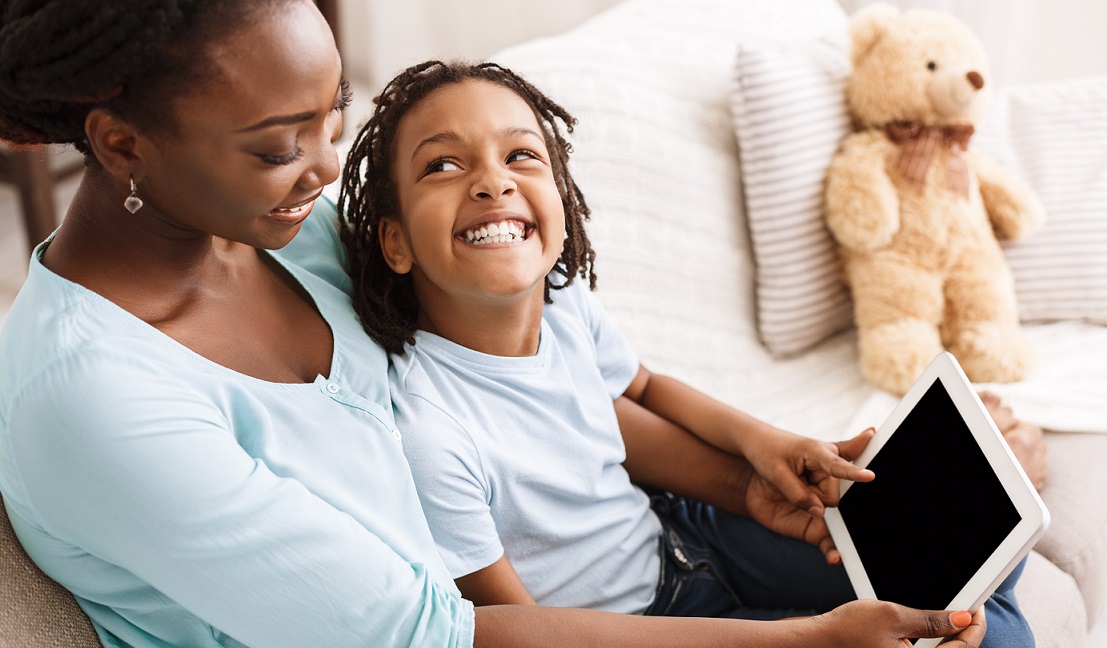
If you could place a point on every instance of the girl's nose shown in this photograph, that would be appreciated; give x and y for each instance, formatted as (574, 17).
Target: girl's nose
(491, 183)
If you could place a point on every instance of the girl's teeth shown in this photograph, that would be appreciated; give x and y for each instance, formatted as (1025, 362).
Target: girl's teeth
(504, 232)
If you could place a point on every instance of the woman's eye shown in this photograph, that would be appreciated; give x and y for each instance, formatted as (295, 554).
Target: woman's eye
(278, 160)
(439, 165)
(345, 96)
(522, 154)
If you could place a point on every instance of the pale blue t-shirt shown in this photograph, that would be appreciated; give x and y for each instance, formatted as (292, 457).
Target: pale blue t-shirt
(523, 457)
(185, 504)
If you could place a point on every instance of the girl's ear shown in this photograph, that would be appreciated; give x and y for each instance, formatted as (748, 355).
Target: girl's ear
(394, 246)
(115, 143)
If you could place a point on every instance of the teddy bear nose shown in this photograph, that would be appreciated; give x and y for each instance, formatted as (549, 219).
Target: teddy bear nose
(975, 79)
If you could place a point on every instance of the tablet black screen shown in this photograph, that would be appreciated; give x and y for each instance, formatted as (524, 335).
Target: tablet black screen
(935, 511)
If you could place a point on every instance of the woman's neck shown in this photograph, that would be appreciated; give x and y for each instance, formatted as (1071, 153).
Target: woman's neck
(136, 260)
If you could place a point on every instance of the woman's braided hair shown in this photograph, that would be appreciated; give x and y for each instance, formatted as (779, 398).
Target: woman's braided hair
(59, 59)
(384, 300)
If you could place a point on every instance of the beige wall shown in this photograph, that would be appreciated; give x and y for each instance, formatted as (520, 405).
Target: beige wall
(1030, 41)
(382, 37)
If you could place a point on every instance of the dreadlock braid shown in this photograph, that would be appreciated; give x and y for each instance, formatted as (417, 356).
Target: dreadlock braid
(385, 301)
(61, 58)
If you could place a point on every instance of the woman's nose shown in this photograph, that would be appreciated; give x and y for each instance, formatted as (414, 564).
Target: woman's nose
(325, 167)
(491, 183)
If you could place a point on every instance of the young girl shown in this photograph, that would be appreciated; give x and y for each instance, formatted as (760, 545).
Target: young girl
(527, 416)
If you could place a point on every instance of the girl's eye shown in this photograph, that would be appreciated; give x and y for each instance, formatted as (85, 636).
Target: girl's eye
(522, 154)
(345, 96)
(441, 164)
(278, 160)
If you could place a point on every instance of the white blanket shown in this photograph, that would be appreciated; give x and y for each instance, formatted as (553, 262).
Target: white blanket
(1066, 393)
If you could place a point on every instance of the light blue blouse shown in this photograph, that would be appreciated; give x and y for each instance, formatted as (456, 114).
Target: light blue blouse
(186, 504)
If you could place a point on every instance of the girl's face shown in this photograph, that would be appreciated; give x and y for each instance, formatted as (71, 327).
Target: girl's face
(251, 150)
(481, 217)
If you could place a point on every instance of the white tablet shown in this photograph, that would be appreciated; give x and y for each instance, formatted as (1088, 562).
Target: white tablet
(951, 511)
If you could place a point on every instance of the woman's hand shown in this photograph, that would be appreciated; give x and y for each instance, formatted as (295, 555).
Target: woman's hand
(865, 624)
(1025, 439)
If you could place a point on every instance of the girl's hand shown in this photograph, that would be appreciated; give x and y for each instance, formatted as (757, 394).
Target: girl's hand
(874, 624)
(804, 470)
(800, 516)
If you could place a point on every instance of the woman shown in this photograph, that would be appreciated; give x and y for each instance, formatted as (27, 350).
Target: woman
(195, 433)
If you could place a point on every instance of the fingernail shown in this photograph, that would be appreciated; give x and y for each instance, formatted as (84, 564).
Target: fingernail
(960, 619)
(815, 511)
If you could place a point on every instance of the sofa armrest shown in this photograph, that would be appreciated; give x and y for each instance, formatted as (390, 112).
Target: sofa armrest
(35, 611)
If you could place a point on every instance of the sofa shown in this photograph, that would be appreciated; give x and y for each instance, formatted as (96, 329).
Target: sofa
(689, 279)
(704, 130)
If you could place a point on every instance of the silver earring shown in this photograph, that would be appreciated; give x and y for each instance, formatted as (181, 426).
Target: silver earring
(133, 203)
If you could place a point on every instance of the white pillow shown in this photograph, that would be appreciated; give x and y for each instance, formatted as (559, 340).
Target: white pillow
(789, 110)
(790, 115)
(1054, 136)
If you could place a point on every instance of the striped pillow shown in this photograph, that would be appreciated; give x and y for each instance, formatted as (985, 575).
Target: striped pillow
(790, 115)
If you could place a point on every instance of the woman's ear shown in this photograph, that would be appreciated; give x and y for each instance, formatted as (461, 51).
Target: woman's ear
(394, 246)
(115, 144)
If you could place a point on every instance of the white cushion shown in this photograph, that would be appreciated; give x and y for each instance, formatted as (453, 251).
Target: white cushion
(789, 105)
(1054, 135)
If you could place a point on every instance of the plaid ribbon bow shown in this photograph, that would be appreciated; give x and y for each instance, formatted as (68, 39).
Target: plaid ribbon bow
(919, 143)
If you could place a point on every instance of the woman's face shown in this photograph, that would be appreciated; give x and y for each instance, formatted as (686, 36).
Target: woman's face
(252, 149)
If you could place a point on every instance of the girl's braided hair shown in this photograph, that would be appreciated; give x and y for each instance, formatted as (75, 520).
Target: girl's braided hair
(59, 59)
(385, 301)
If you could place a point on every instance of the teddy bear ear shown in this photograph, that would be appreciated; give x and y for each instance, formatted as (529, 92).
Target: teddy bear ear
(867, 26)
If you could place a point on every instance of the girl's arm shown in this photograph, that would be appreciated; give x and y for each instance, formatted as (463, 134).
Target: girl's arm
(496, 584)
(803, 469)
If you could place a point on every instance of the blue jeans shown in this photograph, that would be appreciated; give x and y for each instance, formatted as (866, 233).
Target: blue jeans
(714, 564)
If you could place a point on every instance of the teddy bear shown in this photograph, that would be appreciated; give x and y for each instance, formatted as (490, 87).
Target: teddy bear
(916, 213)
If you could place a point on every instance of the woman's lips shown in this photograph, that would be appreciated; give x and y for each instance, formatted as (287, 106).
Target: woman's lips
(295, 213)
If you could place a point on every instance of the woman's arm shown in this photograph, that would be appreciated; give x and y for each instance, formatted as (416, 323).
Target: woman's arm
(858, 624)
(661, 454)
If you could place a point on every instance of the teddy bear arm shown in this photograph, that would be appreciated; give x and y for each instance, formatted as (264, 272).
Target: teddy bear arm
(862, 207)
(1013, 208)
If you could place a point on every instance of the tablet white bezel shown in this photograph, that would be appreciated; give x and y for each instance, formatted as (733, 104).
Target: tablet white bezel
(1032, 511)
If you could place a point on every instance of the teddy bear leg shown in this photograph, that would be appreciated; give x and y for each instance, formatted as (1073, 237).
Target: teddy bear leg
(897, 307)
(893, 354)
(981, 327)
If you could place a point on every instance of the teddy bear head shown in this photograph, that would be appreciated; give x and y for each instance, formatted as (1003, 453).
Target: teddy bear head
(918, 66)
